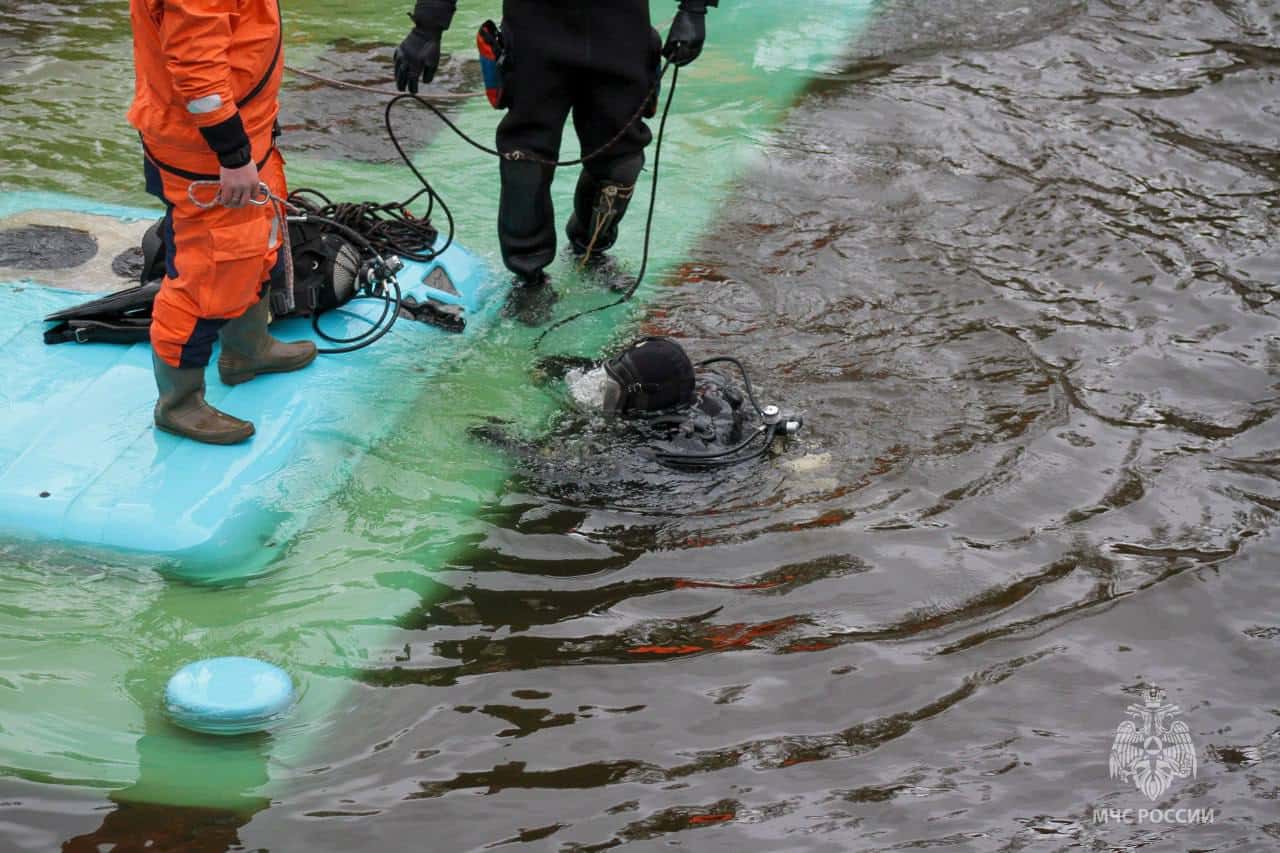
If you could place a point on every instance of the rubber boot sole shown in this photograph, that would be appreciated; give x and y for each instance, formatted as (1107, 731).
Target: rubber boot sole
(213, 438)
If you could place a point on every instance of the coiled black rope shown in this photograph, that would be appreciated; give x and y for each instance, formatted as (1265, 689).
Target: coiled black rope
(391, 228)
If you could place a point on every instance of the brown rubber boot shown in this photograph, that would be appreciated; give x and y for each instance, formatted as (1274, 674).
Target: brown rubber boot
(182, 409)
(248, 349)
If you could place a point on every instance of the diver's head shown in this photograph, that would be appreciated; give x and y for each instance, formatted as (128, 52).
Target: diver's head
(650, 375)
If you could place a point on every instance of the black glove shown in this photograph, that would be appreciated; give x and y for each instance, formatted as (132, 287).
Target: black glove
(417, 57)
(688, 32)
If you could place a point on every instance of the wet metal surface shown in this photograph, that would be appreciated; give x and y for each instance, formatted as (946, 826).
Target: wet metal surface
(1017, 264)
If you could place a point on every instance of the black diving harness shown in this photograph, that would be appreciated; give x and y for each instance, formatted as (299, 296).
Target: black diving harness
(772, 424)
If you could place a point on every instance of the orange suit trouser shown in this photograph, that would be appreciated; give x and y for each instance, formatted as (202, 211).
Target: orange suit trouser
(218, 261)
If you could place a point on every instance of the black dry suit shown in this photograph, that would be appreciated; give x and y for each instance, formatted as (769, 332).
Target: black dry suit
(598, 59)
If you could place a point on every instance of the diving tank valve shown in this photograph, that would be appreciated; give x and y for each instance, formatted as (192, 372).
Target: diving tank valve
(379, 271)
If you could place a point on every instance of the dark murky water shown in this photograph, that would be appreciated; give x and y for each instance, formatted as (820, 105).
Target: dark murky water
(1017, 265)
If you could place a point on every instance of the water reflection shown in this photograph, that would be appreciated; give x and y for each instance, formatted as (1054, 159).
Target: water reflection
(1015, 266)
(137, 822)
(1016, 263)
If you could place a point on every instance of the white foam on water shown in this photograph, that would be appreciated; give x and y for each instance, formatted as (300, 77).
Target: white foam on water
(586, 387)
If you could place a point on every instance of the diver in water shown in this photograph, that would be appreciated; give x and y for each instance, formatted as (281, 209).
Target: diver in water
(682, 414)
(598, 60)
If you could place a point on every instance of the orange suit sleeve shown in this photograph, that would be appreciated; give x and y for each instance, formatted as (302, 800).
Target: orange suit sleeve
(196, 36)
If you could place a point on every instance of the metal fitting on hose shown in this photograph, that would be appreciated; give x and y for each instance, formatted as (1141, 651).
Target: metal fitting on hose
(785, 425)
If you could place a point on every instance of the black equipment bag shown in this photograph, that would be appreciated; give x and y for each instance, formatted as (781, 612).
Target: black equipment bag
(325, 267)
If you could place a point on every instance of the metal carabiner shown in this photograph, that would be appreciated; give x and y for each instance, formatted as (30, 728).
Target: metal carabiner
(263, 192)
(261, 196)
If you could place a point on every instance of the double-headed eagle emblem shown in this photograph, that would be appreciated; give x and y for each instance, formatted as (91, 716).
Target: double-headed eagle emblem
(1156, 749)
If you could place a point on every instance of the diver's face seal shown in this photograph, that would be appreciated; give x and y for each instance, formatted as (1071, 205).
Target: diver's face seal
(614, 396)
(650, 375)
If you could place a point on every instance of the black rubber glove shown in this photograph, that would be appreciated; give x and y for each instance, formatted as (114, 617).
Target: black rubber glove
(688, 32)
(416, 58)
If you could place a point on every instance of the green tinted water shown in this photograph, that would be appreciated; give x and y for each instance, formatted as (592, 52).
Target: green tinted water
(86, 642)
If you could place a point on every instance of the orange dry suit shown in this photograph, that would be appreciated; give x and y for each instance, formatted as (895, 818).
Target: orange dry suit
(206, 95)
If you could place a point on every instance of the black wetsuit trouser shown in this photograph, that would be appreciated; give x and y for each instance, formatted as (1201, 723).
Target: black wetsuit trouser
(597, 59)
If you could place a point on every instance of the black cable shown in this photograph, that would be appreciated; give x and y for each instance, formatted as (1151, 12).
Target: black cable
(746, 380)
(408, 162)
(378, 330)
(716, 458)
(375, 333)
(515, 155)
(521, 155)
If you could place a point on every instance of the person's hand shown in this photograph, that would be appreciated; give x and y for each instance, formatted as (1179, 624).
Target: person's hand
(416, 58)
(684, 39)
(237, 187)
